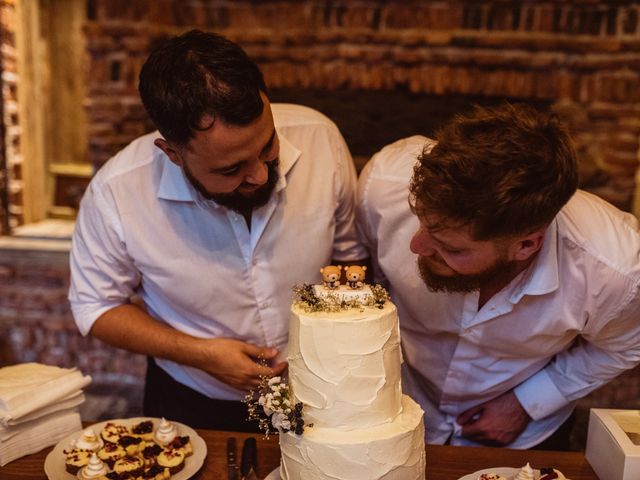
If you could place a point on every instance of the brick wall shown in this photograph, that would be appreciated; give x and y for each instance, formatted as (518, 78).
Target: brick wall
(581, 57)
(36, 324)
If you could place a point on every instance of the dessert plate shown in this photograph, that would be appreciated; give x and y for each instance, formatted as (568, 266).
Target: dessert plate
(507, 472)
(54, 464)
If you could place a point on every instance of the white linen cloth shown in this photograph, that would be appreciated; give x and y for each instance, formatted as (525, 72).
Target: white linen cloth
(29, 387)
(560, 329)
(34, 436)
(142, 228)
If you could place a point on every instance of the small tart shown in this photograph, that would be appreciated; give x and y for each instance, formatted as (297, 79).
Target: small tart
(129, 464)
(156, 472)
(548, 473)
(132, 445)
(113, 431)
(150, 453)
(182, 444)
(144, 430)
(76, 459)
(110, 453)
(171, 459)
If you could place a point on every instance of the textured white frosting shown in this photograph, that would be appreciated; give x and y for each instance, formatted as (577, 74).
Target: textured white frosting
(345, 366)
(390, 451)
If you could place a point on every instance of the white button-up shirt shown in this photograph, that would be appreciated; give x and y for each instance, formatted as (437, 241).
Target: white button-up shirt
(560, 329)
(142, 228)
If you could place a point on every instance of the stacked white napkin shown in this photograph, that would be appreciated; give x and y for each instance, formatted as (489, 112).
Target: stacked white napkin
(38, 407)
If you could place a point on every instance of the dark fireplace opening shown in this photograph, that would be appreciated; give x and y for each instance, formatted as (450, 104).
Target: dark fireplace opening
(371, 119)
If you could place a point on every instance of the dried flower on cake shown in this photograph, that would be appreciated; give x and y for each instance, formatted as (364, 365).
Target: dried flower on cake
(272, 406)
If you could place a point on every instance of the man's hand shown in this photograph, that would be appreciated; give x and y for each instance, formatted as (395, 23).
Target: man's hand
(234, 362)
(497, 422)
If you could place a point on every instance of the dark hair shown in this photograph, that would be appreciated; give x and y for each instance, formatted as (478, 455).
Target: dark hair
(195, 75)
(503, 171)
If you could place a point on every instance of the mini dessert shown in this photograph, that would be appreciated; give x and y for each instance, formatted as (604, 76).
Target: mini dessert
(89, 441)
(132, 445)
(156, 472)
(76, 459)
(525, 473)
(94, 470)
(491, 476)
(143, 430)
(150, 453)
(112, 432)
(548, 473)
(110, 453)
(181, 444)
(129, 465)
(166, 432)
(171, 459)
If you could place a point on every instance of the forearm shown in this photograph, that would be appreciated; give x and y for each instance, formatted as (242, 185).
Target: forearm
(129, 327)
(229, 360)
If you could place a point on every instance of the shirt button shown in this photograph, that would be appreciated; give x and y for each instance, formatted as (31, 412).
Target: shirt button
(254, 262)
(265, 305)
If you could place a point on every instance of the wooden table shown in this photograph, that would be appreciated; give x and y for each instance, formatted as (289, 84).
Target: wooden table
(443, 462)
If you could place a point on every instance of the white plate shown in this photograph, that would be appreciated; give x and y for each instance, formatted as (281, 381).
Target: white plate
(275, 475)
(507, 472)
(54, 464)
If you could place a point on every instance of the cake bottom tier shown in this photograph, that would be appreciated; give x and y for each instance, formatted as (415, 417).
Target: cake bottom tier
(391, 451)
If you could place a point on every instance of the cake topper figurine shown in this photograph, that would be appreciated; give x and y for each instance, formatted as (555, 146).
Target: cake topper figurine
(331, 276)
(355, 276)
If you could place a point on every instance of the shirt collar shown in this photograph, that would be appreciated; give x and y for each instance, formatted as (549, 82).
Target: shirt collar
(542, 276)
(175, 186)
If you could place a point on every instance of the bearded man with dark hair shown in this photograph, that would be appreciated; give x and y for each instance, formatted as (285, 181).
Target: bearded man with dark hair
(209, 220)
(526, 293)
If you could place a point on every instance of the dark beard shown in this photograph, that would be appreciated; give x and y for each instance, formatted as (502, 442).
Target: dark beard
(236, 201)
(496, 274)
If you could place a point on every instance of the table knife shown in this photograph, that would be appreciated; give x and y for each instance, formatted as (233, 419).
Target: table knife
(248, 460)
(232, 465)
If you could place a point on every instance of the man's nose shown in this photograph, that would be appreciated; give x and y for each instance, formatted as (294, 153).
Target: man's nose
(258, 174)
(422, 243)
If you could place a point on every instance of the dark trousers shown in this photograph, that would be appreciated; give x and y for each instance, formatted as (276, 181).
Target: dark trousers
(164, 397)
(561, 438)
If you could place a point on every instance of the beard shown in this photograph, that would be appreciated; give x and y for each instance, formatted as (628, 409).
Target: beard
(497, 273)
(235, 200)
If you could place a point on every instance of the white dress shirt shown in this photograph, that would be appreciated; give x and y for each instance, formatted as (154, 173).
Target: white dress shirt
(142, 228)
(560, 329)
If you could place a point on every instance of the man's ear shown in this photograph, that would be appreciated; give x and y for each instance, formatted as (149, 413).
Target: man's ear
(171, 152)
(524, 247)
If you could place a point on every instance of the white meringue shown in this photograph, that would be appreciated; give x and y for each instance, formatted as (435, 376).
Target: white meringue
(525, 473)
(166, 432)
(89, 441)
(96, 468)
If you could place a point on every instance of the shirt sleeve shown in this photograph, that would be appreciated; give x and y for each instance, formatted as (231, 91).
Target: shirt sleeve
(347, 245)
(609, 345)
(103, 276)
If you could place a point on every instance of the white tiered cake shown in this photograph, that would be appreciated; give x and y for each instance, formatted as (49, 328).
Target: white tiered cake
(344, 366)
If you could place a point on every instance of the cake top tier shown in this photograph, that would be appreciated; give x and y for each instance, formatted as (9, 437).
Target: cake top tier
(319, 298)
